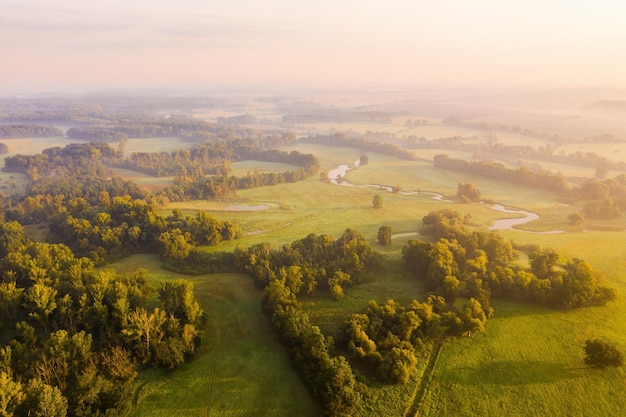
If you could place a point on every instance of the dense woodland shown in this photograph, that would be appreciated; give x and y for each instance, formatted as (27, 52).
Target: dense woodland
(74, 336)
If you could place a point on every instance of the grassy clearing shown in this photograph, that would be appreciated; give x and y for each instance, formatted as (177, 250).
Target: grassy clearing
(144, 181)
(242, 369)
(527, 362)
(32, 146)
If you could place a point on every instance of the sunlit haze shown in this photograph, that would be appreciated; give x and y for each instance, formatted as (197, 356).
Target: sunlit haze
(322, 44)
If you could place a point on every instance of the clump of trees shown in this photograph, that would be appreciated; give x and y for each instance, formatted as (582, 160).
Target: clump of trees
(317, 261)
(384, 338)
(84, 159)
(468, 192)
(75, 335)
(477, 264)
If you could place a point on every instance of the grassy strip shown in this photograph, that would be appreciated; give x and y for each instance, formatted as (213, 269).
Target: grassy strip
(242, 369)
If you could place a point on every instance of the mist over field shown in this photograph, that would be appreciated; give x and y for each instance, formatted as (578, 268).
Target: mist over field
(331, 208)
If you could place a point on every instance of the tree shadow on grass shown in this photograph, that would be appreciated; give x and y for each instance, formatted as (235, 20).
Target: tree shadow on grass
(510, 373)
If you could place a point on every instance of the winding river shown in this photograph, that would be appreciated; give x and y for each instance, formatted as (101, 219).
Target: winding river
(336, 176)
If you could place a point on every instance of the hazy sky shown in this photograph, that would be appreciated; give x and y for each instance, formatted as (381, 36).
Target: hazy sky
(322, 43)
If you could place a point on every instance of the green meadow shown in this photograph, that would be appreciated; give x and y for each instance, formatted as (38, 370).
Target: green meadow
(528, 362)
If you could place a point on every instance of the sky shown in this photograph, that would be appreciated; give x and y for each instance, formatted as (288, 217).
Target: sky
(112, 44)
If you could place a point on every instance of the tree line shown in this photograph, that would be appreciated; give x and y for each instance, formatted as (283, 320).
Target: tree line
(603, 199)
(342, 139)
(8, 131)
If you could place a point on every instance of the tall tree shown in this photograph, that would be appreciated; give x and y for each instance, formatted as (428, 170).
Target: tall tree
(384, 235)
(377, 201)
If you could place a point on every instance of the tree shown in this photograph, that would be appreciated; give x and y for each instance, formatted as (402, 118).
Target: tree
(384, 235)
(11, 394)
(576, 219)
(43, 400)
(377, 201)
(468, 192)
(602, 354)
(40, 301)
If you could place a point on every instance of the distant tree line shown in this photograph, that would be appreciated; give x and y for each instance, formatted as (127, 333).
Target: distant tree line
(213, 158)
(3, 148)
(523, 176)
(342, 139)
(74, 335)
(220, 185)
(28, 131)
(604, 199)
(337, 116)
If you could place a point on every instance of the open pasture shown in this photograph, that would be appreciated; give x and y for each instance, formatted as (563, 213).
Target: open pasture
(32, 146)
(529, 361)
(241, 370)
(144, 181)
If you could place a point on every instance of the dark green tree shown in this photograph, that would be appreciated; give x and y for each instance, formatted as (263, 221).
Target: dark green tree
(377, 201)
(602, 354)
(384, 235)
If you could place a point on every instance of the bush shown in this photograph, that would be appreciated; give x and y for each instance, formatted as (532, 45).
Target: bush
(602, 354)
